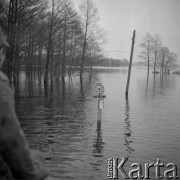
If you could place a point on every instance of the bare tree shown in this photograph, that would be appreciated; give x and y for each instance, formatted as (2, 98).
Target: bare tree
(53, 28)
(164, 54)
(3, 14)
(147, 49)
(170, 61)
(68, 33)
(49, 43)
(22, 17)
(89, 19)
(152, 49)
(157, 44)
(94, 51)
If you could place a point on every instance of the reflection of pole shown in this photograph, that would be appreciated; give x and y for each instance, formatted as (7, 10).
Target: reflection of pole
(130, 64)
(127, 127)
(98, 142)
(99, 114)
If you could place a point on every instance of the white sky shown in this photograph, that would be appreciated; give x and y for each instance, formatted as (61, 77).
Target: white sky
(120, 17)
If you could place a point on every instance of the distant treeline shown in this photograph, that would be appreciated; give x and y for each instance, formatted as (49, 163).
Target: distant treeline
(109, 62)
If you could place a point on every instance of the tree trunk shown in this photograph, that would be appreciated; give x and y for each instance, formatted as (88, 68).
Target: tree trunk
(148, 63)
(84, 47)
(49, 46)
(83, 55)
(64, 48)
(155, 53)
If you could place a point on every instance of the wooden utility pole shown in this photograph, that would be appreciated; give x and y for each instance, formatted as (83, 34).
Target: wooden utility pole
(130, 63)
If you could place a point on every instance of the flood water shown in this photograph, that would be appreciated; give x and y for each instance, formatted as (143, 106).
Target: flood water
(63, 124)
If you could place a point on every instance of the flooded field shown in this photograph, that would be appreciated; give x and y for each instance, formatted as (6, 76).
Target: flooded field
(62, 123)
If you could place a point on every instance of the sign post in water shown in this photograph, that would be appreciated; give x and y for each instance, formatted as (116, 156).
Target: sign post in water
(99, 90)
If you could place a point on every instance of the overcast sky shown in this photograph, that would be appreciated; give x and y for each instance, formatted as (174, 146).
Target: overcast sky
(120, 17)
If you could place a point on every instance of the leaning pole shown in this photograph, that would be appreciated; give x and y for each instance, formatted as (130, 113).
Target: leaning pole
(130, 63)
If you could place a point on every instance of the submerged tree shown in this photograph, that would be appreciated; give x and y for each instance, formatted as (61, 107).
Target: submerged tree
(23, 18)
(170, 61)
(3, 14)
(164, 53)
(89, 19)
(153, 50)
(49, 42)
(147, 49)
(49, 37)
(157, 44)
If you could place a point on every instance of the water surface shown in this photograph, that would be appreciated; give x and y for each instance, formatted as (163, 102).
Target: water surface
(63, 124)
